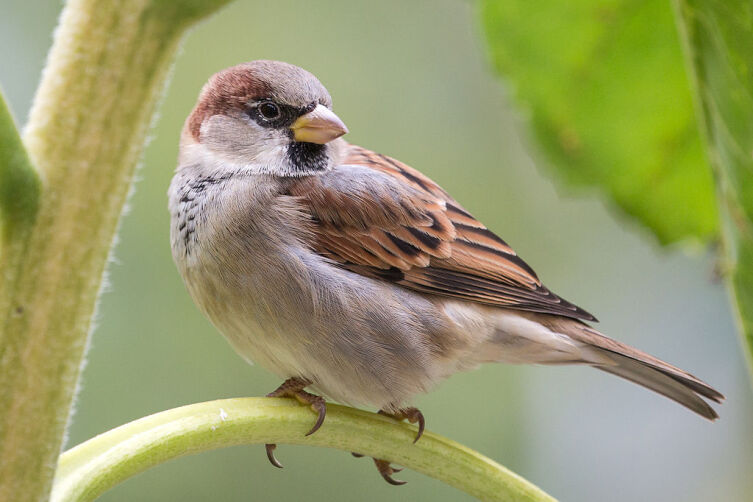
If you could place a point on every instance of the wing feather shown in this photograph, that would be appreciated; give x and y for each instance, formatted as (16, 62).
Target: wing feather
(381, 218)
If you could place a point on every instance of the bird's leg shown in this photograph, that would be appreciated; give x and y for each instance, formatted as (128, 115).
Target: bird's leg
(293, 387)
(412, 415)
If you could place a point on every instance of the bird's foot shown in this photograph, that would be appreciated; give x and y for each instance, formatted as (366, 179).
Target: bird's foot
(386, 470)
(293, 387)
(412, 415)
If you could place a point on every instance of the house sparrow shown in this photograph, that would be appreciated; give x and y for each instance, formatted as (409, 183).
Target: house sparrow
(352, 274)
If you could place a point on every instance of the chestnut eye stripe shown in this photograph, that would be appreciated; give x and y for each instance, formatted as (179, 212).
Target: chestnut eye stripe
(271, 114)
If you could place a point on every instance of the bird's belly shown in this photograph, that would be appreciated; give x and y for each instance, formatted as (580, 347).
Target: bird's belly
(360, 341)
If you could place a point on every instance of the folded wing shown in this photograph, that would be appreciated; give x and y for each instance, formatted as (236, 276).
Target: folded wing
(378, 217)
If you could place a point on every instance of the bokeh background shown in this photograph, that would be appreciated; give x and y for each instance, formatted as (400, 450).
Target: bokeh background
(411, 80)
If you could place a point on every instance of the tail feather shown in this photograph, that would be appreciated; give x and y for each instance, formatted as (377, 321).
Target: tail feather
(658, 381)
(643, 369)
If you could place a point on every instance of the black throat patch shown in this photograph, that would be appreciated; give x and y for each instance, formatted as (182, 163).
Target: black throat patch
(308, 156)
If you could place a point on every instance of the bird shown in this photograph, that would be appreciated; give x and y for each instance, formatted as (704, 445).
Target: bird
(349, 273)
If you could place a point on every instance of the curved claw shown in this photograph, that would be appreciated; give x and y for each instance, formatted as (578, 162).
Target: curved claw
(320, 407)
(392, 481)
(386, 470)
(270, 447)
(293, 387)
(412, 415)
(419, 417)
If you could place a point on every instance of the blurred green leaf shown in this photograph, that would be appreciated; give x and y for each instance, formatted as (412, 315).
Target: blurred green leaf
(718, 38)
(19, 184)
(609, 99)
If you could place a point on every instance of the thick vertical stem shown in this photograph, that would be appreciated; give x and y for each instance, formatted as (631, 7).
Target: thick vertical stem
(86, 132)
(19, 201)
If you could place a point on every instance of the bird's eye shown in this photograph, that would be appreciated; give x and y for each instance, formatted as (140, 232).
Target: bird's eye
(269, 111)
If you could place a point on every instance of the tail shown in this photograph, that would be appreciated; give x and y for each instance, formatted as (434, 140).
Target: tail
(643, 369)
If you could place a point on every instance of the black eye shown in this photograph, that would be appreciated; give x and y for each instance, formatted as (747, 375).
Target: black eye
(269, 111)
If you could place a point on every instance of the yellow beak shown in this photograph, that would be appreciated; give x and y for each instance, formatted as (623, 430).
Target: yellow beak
(320, 125)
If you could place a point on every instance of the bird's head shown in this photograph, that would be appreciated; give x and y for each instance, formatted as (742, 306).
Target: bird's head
(267, 116)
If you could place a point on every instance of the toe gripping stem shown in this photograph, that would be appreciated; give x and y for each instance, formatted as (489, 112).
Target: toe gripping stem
(293, 387)
(412, 415)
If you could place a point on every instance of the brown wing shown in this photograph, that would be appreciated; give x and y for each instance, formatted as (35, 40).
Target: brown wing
(380, 218)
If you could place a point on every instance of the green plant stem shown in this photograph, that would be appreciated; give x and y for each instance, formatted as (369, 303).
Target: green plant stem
(19, 183)
(86, 132)
(89, 469)
(19, 200)
(717, 37)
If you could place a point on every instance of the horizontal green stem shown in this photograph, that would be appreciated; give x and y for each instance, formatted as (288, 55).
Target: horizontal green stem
(89, 469)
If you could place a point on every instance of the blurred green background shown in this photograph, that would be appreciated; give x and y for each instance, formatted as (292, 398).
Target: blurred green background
(411, 80)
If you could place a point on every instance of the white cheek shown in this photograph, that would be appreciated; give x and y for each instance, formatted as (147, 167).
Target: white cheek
(273, 151)
(244, 142)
